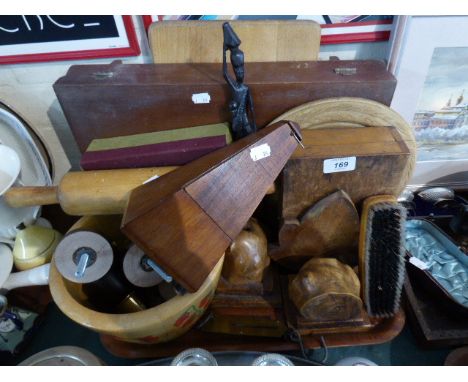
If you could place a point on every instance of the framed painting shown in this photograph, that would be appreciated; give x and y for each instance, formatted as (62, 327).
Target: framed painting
(25, 39)
(429, 58)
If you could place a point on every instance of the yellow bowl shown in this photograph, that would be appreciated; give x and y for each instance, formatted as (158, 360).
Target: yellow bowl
(161, 323)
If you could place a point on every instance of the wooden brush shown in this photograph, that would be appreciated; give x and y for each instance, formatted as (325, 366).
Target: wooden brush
(381, 254)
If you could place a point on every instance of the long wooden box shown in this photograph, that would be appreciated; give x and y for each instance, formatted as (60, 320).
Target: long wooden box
(101, 101)
(381, 159)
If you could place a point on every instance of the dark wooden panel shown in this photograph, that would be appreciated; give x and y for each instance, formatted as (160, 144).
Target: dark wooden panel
(102, 101)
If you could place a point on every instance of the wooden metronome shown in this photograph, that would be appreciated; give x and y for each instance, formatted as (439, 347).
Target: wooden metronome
(186, 219)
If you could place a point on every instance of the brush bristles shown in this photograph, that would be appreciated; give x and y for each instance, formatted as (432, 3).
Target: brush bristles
(384, 259)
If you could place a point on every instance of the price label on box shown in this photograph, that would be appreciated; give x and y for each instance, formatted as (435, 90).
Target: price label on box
(201, 98)
(339, 165)
(260, 152)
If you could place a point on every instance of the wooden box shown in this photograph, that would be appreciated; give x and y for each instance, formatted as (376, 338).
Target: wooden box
(101, 101)
(381, 158)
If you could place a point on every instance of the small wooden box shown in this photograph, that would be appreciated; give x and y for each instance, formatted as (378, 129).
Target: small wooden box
(102, 101)
(381, 158)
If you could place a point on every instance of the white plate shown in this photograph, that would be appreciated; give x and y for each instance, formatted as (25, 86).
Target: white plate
(34, 172)
(6, 263)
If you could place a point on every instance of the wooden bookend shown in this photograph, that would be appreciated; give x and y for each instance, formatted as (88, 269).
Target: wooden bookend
(324, 298)
(186, 219)
(330, 228)
(326, 290)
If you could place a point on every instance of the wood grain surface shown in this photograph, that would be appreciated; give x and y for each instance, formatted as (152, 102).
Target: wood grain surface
(382, 161)
(85, 193)
(225, 187)
(326, 290)
(246, 258)
(329, 228)
(262, 40)
(80, 193)
(143, 98)
(355, 112)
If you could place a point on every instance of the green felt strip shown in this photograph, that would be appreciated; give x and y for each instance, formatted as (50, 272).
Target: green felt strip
(161, 137)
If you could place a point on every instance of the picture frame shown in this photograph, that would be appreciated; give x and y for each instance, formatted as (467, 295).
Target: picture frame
(342, 30)
(66, 38)
(418, 47)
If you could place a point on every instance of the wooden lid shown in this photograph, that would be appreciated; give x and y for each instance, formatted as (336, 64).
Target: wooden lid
(353, 141)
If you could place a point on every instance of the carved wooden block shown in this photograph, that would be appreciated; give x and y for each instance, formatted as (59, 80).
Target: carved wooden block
(330, 228)
(326, 290)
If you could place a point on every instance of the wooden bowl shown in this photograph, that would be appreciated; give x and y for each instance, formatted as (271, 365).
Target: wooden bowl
(161, 323)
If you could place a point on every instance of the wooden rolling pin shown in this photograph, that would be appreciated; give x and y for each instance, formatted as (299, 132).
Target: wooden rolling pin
(82, 193)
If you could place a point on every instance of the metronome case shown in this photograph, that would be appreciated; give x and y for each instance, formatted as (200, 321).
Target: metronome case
(438, 265)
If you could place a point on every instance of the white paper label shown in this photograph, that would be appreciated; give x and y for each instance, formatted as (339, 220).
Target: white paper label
(260, 152)
(150, 179)
(418, 263)
(339, 165)
(201, 98)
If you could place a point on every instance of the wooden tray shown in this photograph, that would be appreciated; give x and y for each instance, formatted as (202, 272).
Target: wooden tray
(385, 331)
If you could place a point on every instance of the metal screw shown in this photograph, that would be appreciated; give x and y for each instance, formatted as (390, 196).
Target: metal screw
(82, 265)
(157, 269)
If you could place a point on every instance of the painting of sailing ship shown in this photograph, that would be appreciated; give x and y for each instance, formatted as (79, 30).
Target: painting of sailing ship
(441, 120)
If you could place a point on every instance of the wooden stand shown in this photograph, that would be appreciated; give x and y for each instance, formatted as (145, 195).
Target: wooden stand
(255, 309)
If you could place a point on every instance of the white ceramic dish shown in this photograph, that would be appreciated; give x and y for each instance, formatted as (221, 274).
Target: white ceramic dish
(10, 167)
(34, 171)
(6, 263)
